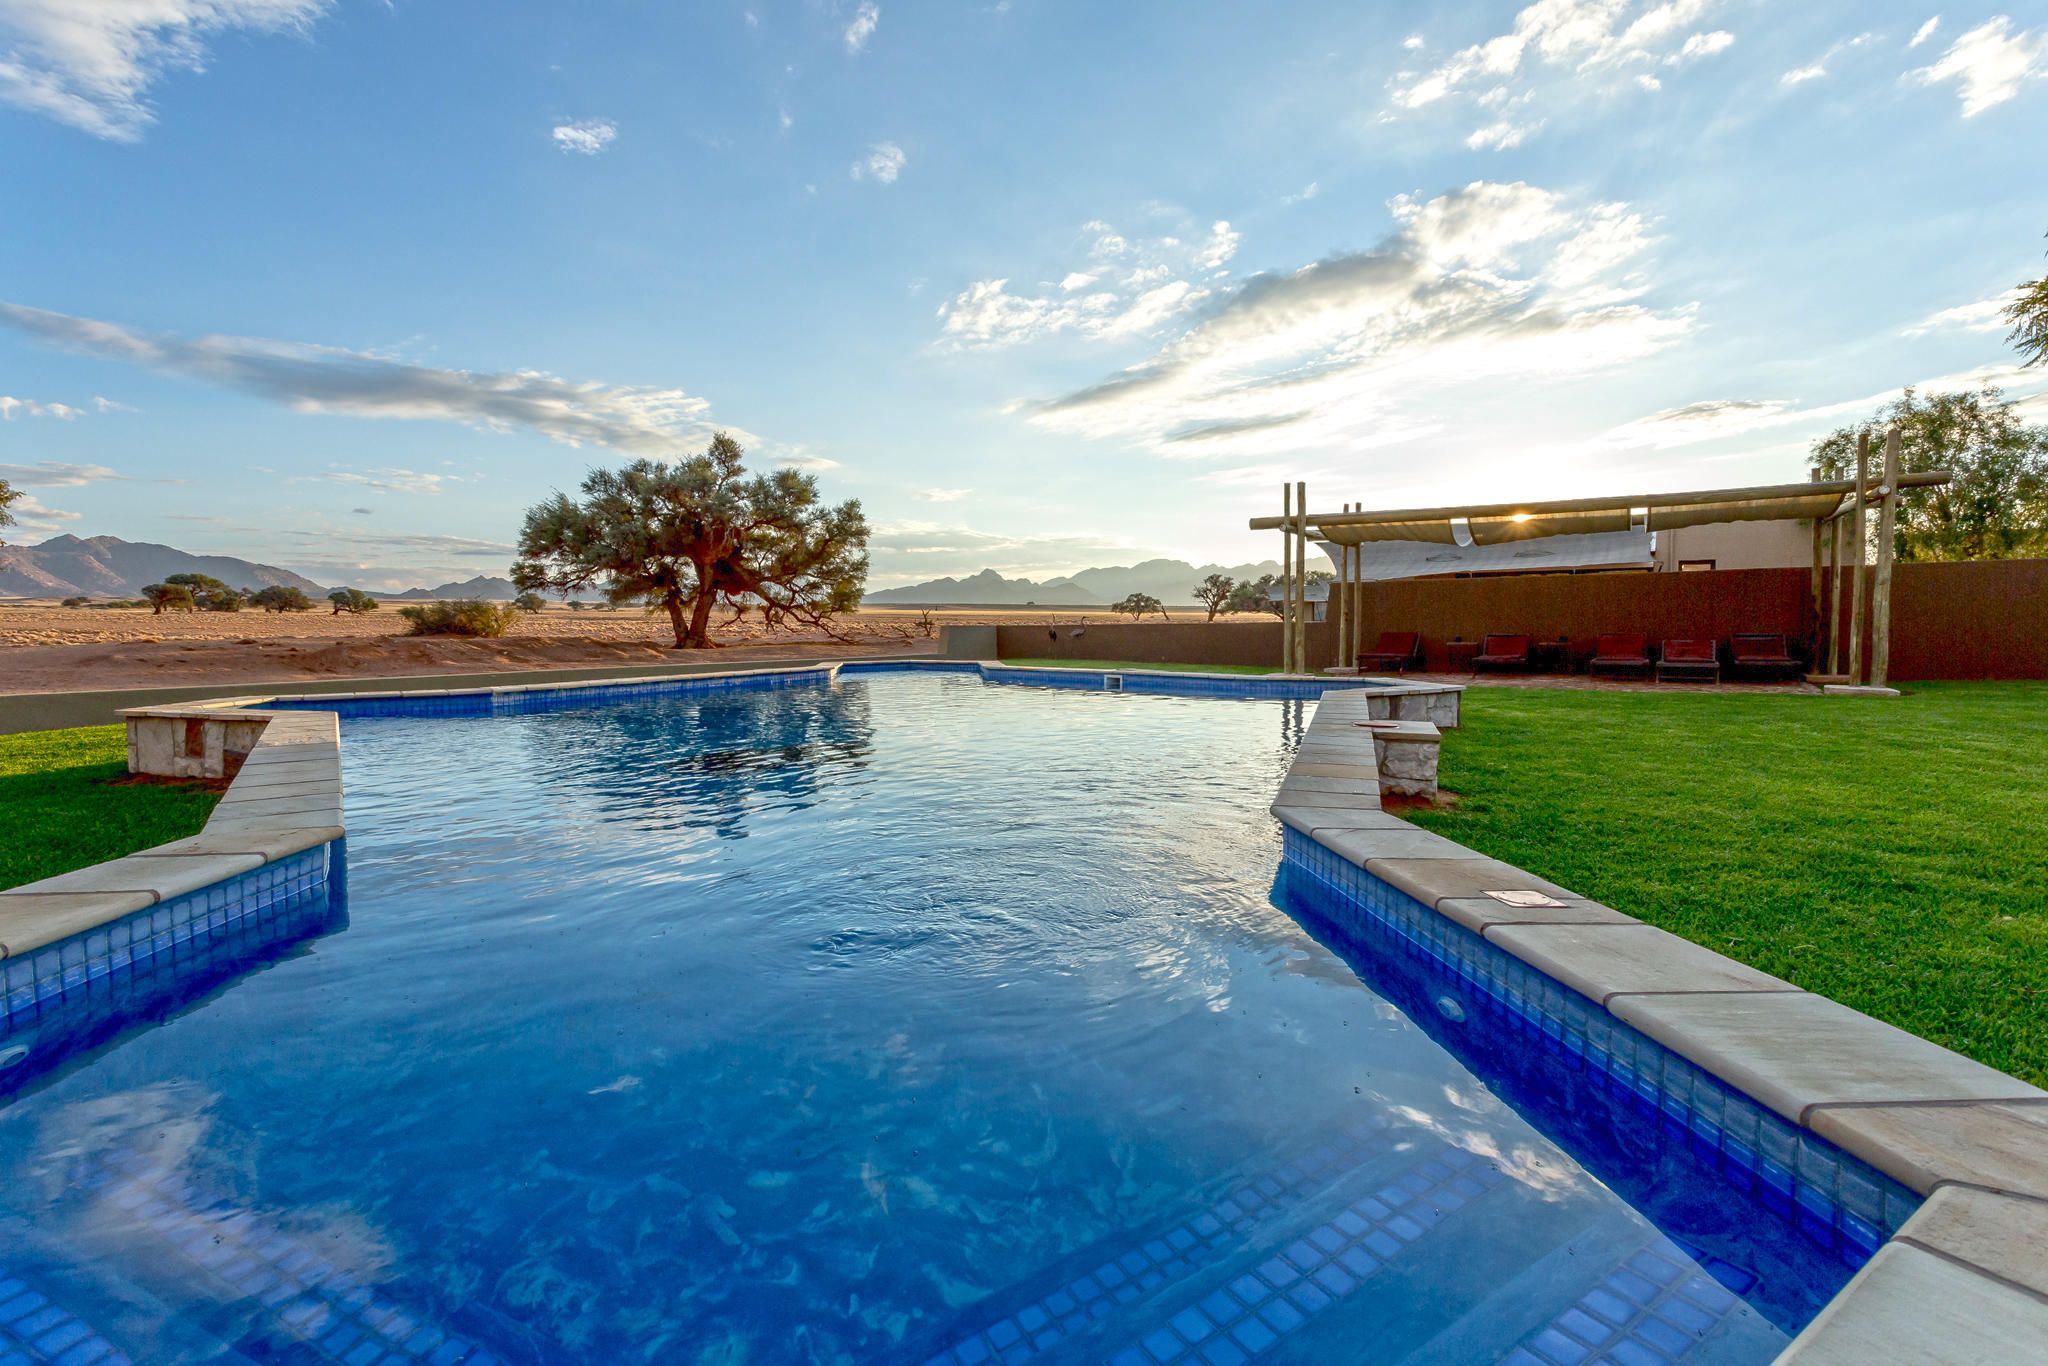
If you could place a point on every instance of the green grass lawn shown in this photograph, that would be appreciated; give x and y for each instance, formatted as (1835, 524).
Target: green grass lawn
(1128, 664)
(1890, 854)
(62, 810)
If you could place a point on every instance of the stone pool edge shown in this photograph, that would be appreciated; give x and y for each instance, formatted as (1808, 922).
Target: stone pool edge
(285, 800)
(1964, 1279)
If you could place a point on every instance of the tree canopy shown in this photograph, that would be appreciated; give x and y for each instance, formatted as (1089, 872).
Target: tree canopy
(2028, 314)
(1254, 595)
(1997, 506)
(1214, 593)
(685, 535)
(8, 493)
(168, 597)
(279, 597)
(1137, 605)
(353, 601)
(208, 593)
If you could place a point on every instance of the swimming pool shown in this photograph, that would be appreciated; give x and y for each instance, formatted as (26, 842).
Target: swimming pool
(901, 1018)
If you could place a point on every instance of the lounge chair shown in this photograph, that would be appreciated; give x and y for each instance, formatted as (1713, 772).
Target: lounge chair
(1620, 653)
(1395, 650)
(1692, 661)
(1762, 654)
(1503, 652)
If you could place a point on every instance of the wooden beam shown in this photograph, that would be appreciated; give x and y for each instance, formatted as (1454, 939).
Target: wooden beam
(1301, 577)
(1921, 479)
(1287, 578)
(1858, 550)
(1881, 593)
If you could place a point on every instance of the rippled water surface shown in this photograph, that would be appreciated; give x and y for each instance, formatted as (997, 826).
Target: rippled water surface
(901, 1019)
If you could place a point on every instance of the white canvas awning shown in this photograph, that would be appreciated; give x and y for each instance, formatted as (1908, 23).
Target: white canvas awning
(1379, 560)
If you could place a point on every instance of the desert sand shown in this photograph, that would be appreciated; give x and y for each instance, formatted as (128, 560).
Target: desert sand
(47, 648)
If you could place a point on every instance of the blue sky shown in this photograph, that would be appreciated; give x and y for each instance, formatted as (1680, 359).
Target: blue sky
(346, 285)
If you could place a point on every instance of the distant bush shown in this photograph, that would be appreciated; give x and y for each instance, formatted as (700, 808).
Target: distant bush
(529, 602)
(352, 601)
(279, 598)
(465, 618)
(75, 602)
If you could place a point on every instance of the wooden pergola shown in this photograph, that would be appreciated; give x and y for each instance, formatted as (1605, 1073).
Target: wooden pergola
(1838, 508)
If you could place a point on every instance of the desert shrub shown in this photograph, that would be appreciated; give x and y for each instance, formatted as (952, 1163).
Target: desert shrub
(75, 602)
(465, 618)
(529, 602)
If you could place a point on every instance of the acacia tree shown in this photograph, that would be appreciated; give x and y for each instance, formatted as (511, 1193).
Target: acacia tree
(1254, 595)
(1139, 605)
(1997, 506)
(279, 597)
(8, 493)
(168, 597)
(1214, 593)
(353, 601)
(683, 536)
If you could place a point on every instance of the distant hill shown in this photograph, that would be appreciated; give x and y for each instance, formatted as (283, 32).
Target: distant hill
(1171, 581)
(64, 566)
(489, 589)
(987, 589)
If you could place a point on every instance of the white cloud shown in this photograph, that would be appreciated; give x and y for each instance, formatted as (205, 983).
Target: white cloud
(107, 405)
(1303, 195)
(585, 137)
(912, 551)
(1221, 246)
(31, 514)
(1701, 45)
(1582, 45)
(1484, 283)
(884, 162)
(391, 480)
(865, 20)
(1985, 315)
(11, 408)
(642, 420)
(1128, 286)
(90, 63)
(1413, 42)
(944, 495)
(1706, 420)
(1816, 70)
(1989, 64)
(1924, 32)
(52, 474)
(1500, 136)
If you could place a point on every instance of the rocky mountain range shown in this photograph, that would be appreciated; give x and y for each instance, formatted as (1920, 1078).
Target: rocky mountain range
(65, 566)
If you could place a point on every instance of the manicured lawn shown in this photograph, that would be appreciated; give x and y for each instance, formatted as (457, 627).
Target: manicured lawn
(62, 810)
(1892, 855)
(1130, 664)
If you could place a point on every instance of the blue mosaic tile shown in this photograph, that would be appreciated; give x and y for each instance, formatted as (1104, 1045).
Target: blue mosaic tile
(1834, 1199)
(54, 997)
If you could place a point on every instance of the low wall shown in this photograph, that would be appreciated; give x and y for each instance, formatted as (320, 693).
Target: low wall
(1956, 621)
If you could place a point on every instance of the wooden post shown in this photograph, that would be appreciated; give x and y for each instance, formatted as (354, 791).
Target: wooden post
(1814, 588)
(1838, 637)
(1337, 604)
(1831, 537)
(1356, 592)
(1287, 578)
(1881, 593)
(1858, 543)
(1301, 576)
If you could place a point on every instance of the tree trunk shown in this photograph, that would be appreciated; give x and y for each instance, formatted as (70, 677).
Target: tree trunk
(696, 635)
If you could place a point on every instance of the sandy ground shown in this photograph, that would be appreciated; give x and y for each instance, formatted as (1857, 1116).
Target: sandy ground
(46, 648)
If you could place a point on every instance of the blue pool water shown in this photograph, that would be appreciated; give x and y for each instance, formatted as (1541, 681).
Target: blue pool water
(905, 1019)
